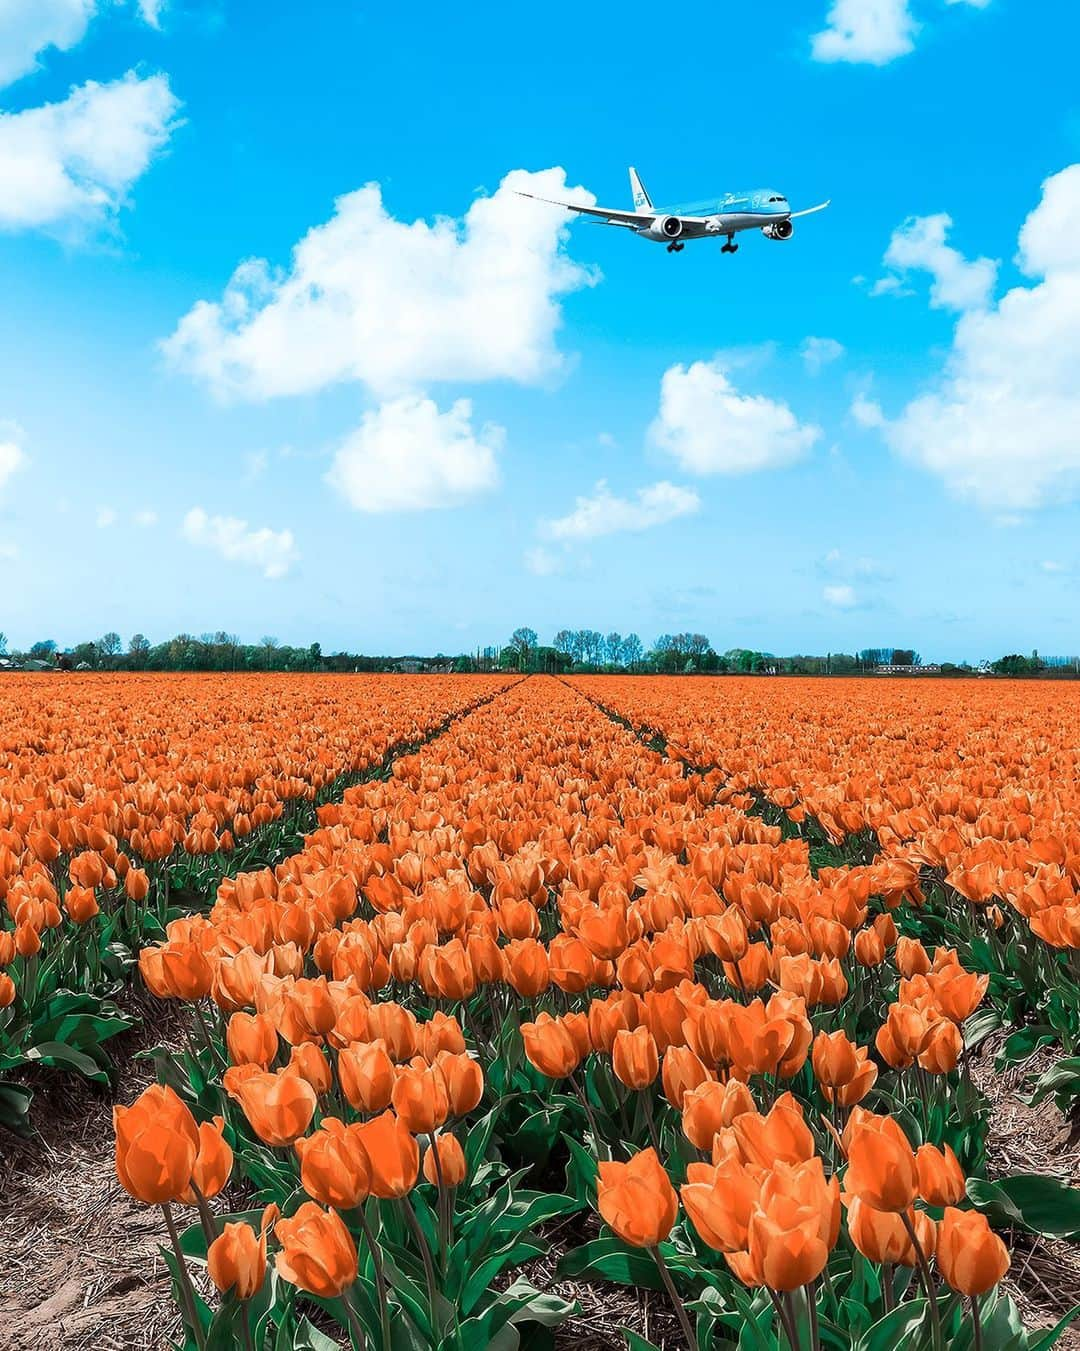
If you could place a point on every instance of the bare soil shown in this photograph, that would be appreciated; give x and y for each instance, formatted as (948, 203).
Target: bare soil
(1044, 1279)
(81, 1268)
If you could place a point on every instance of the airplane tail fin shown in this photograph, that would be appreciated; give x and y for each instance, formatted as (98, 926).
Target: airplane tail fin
(642, 200)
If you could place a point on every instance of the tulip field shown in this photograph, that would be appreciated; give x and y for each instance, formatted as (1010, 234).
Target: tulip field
(501, 996)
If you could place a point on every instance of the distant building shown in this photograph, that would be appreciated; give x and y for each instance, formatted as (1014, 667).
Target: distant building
(931, 669)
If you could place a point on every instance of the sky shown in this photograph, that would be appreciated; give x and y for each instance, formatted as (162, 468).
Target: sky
(283, 352)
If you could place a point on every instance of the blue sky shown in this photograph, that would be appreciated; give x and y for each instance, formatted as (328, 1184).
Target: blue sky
(450, 412)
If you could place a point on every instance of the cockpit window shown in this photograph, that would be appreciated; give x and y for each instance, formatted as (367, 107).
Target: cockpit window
(776, 199)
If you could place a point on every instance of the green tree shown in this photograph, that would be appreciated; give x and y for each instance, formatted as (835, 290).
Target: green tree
(524, 643)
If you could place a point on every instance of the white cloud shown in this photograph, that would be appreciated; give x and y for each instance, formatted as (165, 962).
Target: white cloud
(73, 163)
(1000, 425)
(408, 456)
(873, 32)
(29, 27)
(152, 10)
(866, 412)
(710, 428)
(840, 596)
(272, 551)
(12, 457)
(919, 244)
(820, 352)
(105, 518)
(605, 514)
(396, 305)
(1051, 565)
(146, 518)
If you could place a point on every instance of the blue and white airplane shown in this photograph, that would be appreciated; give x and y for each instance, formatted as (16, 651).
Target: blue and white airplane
(761, 209)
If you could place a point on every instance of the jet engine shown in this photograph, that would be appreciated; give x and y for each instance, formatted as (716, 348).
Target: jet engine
(778, 229)
(665, 227)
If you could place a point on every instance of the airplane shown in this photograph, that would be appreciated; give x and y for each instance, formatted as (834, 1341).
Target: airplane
(761, 209)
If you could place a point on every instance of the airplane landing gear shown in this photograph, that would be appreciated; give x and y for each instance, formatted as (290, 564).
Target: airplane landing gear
(730, 246)
(675, 248)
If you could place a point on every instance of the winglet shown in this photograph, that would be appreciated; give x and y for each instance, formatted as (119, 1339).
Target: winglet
(809, 211)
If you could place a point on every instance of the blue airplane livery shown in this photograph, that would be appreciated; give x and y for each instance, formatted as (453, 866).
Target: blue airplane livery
(762, 209)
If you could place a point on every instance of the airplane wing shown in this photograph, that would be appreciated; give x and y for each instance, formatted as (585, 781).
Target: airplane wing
(635, 219)
(631, 220)
(809, 211)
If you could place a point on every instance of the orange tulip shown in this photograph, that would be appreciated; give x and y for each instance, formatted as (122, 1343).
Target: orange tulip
(682, 1071)
(634, 1058)
(780, 1137)
(970, 1255)
(7, 990)
(213, 1162)
(334, 1167)
(419, 1097)
(790, 1230)
(719, 1200)
(464, 1080)
(637, 1200)
(450, 1171)
(911, 957)
(278, 1106)
(366, 1073)
(81, 904)
(252, 1039)
(942, 1048)
(863, 1080)
(941, 1179)
(710, 1106)
(317, 1253)
(393, 1155)
(835, 1059)
(236, 1260)
(440, 1033)
(157, 1143)
(527, 969)
(550, 1047)
(309, 1063)
(27, 940)
(869, 948)
(572, 965)
(881, 1235)
(881, 1165)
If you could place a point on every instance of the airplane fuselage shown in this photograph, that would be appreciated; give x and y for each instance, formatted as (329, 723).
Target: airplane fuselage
(726, 215)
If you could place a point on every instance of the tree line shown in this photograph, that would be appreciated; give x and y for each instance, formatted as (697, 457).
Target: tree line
(570, 650)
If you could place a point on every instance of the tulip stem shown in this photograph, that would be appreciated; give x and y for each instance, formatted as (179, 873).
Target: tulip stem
(380, 1276)
(206, 1215)
(790, 1331)
(811, 1308)
(676, 1299)
(425, 1257)
(356, 1328)
(444, 1238)
(187, 1293)
(887, 1287)
(651, 1120)
(598, 1139)
(927, 1282)
(215, 1056)
(976, 1319)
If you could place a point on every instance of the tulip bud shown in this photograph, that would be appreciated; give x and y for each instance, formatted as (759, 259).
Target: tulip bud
(450, 1170)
